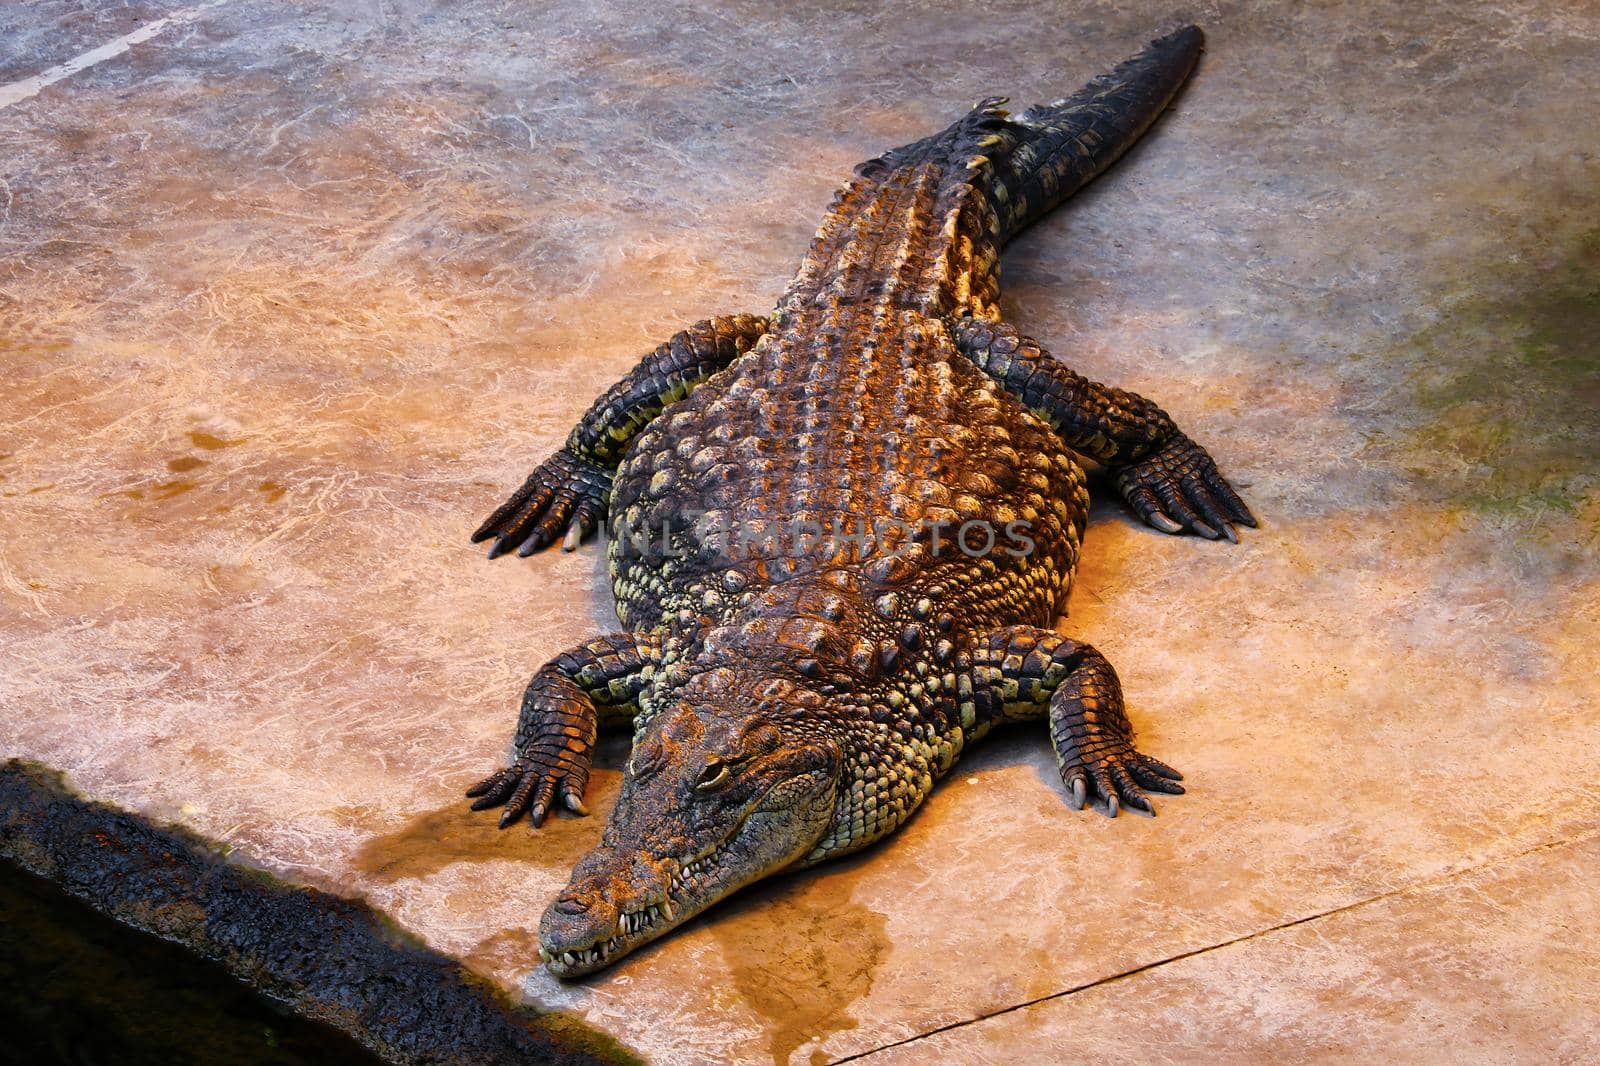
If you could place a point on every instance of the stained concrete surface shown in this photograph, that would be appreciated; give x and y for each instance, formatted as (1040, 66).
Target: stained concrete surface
(292, 294)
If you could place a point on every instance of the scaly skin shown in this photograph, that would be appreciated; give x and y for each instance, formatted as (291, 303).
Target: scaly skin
(796, 684)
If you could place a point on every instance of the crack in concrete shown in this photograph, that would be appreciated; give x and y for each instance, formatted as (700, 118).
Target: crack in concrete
(1433, 882)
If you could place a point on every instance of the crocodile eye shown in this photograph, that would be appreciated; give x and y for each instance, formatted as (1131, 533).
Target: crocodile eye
(715, 775)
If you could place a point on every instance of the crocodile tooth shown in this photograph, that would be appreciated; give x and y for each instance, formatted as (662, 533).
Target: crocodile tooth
(666, 908)
(570, 958)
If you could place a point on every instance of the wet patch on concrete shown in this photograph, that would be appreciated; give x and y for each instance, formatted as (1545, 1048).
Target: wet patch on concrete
(210, 441)
(434, 839)
(454, 833)
(507, 950)
(800, 959)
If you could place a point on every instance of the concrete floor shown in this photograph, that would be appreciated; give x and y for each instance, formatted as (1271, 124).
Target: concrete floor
(290, 295)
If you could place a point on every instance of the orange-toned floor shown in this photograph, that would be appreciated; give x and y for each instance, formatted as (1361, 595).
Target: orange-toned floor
(292, 294)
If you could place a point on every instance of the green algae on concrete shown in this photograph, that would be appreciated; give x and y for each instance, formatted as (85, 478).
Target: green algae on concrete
(1506, 390)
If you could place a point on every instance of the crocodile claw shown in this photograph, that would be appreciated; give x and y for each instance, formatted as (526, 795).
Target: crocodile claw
(1179, 487)
(566, 493)
(1163, 523)
(1119, 779)
(525, 786)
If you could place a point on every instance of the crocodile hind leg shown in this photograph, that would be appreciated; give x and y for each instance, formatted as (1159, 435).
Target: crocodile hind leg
(570, 490)
(1025, 672)
(560, 721)
(1171, 482)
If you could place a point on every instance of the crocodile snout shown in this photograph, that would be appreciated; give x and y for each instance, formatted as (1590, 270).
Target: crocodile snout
(576, 920)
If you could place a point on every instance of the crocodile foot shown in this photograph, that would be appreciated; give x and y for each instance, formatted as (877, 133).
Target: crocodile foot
(555, 743)
(533, 784)
(565, 493)
(1119, 778)
(1178, 487)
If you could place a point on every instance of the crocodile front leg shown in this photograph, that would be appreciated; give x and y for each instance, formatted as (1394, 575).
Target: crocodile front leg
(1024, 671)
(560, 722)
(570, 490)
(1171, 482)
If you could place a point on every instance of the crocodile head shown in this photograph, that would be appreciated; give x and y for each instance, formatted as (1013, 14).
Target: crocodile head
(721, 790)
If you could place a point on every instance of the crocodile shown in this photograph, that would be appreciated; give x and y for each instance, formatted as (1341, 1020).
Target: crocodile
(840, 535)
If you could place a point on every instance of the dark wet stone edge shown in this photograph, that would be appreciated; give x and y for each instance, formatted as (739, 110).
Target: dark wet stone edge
(325, 957)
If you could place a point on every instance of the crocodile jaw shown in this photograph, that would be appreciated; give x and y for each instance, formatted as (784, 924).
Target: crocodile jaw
(777, 831)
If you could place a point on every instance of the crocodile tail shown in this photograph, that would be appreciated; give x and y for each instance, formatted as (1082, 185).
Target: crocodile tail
(1058, 148)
